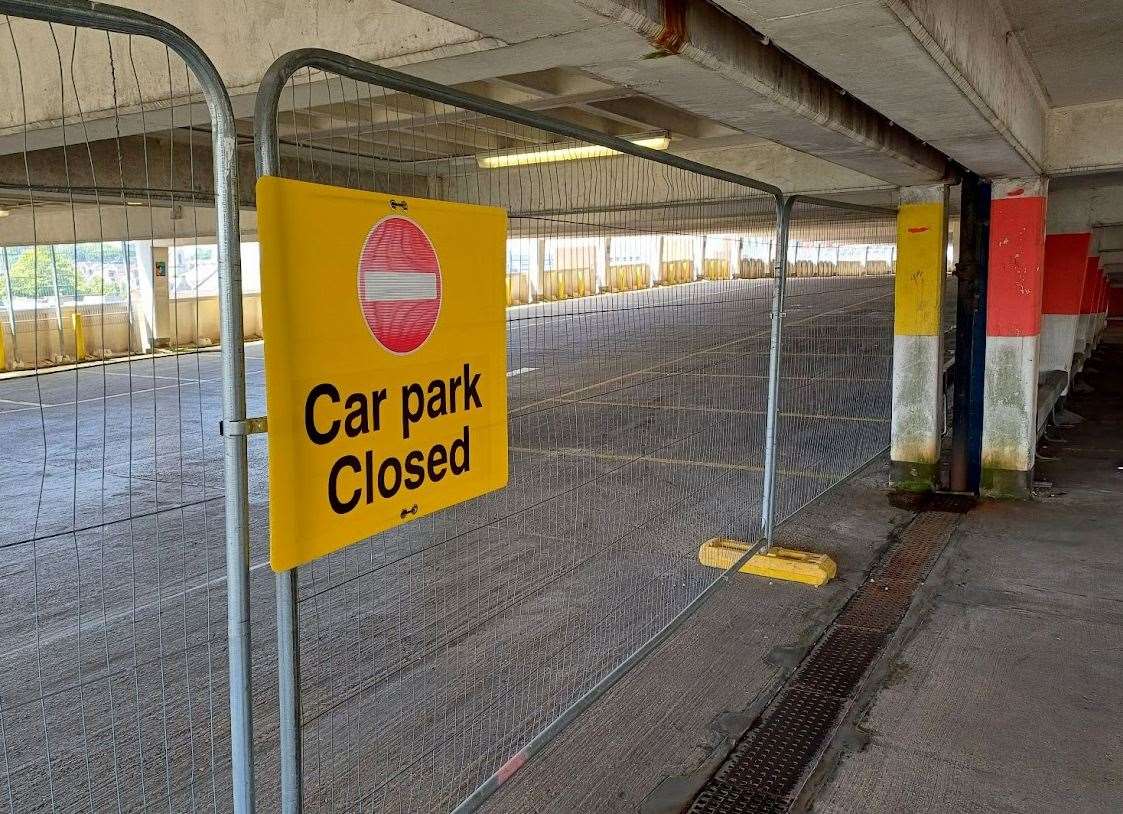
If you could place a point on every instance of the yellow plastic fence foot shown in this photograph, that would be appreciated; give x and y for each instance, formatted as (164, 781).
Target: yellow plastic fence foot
(779, 563)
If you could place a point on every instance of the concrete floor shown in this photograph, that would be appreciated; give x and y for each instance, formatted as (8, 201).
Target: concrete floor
(433, 652)
(656, 736)
(1007, 698)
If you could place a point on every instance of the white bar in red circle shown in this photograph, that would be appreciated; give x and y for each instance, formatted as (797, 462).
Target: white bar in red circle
(393, 286)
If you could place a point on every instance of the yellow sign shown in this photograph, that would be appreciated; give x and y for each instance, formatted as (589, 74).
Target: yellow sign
(385, 363)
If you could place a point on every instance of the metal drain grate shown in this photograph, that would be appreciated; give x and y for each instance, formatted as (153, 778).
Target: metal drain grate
(772, 760)
(877, 606)
(839, 662)
(725, 798)
(764, 771)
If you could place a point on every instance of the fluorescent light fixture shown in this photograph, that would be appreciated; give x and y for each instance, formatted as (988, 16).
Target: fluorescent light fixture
(493, 162)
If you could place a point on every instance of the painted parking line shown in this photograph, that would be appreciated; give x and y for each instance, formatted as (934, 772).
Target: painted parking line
(764, 377)
(22, 403)
(189, 383)
(573, 452)
(99, 623)
(146, 375)
(694, 354)
(723, 410)
(520, 371)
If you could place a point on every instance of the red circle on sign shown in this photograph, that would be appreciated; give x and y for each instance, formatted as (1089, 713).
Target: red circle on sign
(399, 284)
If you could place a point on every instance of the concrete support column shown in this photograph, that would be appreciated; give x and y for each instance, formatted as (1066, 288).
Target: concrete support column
(1015, 278)
(538, 271)
(152, 314)
(602, 260)
(1066, 262)
(917, 342)
(1087, 306)
(1101, 307)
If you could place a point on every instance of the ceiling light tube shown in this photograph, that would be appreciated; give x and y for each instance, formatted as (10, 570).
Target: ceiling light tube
(583, 151)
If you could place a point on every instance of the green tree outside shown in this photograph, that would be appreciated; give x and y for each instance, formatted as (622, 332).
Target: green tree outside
(31, 276)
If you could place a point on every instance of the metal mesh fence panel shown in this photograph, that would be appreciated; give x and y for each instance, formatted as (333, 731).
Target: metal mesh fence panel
(113, 679)
(433, 653)
(836, 361)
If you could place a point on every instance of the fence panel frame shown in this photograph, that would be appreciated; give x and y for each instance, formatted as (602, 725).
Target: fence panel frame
(118, 20)
(267, 163)
(775, 361)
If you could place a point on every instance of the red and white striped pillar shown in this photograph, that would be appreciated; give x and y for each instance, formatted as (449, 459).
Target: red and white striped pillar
(1015, 278)
(1087, 328)
(1066, 263)
(1101, 307)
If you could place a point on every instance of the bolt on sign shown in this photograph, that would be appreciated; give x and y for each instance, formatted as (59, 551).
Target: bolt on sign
(385, 364)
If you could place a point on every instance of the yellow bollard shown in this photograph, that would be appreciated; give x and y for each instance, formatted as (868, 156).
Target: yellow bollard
(3, 352)
(79, 337)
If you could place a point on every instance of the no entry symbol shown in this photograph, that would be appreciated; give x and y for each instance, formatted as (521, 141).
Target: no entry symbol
(399, 284)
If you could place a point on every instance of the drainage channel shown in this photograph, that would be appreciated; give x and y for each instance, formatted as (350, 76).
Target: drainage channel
(766, 769)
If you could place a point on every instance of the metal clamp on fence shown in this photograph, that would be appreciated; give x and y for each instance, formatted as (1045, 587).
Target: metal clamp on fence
(251, 426)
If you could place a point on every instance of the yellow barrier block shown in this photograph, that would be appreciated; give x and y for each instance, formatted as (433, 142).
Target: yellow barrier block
(716, 269)
(779, 563)
(518, 289)
(677, 271)
(564, 284)
(79, 337)
(628, 277)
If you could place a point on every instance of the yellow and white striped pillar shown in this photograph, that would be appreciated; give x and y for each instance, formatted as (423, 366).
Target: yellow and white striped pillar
(918, 338)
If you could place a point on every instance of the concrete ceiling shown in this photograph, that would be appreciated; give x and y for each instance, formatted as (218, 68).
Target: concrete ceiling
(1005, 87)
(714, 69)
(1075, 48)
(941, 69)
(809, 95)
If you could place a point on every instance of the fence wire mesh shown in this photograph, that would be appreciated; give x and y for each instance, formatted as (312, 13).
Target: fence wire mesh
(836, 365)
(432, 653)
(113, 678)
(638, 345)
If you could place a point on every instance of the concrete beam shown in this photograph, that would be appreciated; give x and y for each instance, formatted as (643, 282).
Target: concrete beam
(1085, 138)
(722, 71)
(242, 39)
(945, 70)
(1083, 203)
(58, 223)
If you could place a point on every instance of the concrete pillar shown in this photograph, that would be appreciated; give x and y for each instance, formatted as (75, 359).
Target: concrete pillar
(1087, 306)
(917, 342)
(700, 257)
(1015, 278)
(602, 260)
(151, 306)
(1066, 261)
(538, 272)
(1101, 308)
